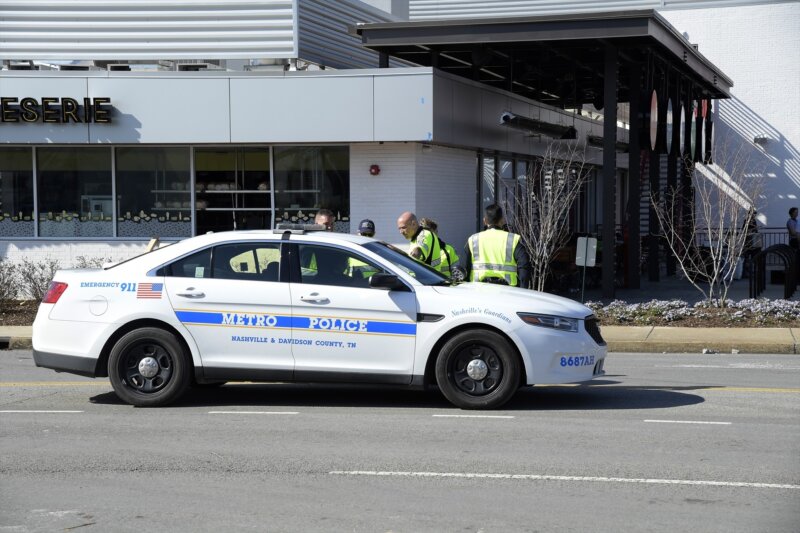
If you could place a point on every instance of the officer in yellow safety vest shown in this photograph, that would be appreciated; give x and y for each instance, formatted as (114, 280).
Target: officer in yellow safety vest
(424, 245)
(326, 218)
(366, 228)
(449, 255)
(495, 255)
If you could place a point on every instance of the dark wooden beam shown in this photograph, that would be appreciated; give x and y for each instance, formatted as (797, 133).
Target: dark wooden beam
(634, 181)
(609, 170)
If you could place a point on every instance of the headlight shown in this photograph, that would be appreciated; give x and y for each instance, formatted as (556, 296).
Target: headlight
(548, 321)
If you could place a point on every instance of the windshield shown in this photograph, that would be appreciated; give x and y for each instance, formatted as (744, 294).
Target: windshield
(422, 272)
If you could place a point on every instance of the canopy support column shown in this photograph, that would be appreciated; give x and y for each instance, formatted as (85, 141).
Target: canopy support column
(609, 169)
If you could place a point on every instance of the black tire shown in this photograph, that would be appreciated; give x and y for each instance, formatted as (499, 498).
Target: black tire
(502, 370)
(170, 374)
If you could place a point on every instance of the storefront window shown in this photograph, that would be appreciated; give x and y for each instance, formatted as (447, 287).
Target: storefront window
(74, 192)
(488, 179)
(310, 178)
(16, 192)
(232, 187)
(153, 192)
(506, 186)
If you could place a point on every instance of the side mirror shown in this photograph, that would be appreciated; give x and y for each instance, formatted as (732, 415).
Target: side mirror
(389, 282)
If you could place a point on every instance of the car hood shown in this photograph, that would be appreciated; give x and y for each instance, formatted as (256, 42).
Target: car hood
(521, 300)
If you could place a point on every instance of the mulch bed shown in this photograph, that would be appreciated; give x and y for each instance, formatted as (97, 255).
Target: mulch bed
(18, 312)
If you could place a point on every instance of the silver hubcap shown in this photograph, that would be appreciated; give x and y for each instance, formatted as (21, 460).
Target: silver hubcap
(148, 367)
(477, 369)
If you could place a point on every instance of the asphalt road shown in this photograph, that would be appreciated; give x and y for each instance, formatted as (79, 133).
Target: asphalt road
(662, 443)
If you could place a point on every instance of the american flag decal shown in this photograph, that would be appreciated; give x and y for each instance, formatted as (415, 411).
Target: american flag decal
(149, 290)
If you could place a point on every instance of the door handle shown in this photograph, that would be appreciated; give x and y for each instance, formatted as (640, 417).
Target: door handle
(190, 292)
(314, 297)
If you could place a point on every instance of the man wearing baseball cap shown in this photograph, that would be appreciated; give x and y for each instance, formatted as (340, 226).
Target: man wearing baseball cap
(366, 228)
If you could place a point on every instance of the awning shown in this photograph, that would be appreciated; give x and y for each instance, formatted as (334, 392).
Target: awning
(556, 59)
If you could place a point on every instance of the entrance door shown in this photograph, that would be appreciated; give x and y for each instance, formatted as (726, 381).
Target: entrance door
(344, 330)
(233, 189)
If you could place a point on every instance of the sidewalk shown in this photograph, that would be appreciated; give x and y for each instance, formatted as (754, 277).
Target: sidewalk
(645, 339)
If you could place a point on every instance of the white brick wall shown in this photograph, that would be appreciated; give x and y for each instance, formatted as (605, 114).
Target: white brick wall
(384, 197)
(758, 47)
(66, 253)
(436, 182)
(447, 191)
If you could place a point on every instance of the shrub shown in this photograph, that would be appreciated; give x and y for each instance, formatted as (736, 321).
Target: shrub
(91, 262)
(34, 278)
(752, 312)
(9, 285)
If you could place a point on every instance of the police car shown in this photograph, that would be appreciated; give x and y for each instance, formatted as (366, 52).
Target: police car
(303, 306)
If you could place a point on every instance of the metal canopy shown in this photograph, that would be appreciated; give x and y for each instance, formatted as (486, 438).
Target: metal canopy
(557, 59)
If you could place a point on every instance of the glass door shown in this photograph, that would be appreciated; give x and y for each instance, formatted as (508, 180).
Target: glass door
(232, 189)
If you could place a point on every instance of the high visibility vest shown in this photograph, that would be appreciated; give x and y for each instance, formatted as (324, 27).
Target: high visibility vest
(452, 255)
(449, 258)
(493, 256)
(427, 242)
(360, 269)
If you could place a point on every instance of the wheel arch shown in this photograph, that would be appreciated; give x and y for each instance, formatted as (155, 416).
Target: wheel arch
(430, 365)
(101, 370)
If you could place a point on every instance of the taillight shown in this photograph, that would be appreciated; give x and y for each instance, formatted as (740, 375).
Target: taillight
(54, 292)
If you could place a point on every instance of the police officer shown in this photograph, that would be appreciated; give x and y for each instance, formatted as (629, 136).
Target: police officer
(495, 255)
(355, 267)
(424, 245)
(325, 217)
(366, 228)
(449, 255)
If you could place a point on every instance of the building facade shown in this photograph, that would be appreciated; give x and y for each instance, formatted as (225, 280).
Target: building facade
(115, 158)
(209, 116)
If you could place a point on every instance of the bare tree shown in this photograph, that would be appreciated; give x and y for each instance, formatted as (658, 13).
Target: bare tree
(710, 237)
(538, 210)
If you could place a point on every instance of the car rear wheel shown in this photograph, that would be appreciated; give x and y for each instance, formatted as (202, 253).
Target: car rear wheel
(478, 369)
(148, 367)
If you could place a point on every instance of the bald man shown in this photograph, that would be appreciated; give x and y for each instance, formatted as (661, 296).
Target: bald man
(424, 245)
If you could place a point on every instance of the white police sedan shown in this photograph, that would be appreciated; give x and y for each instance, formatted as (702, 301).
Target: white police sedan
(306, 306)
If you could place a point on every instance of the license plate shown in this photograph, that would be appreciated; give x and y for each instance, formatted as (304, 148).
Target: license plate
(578, 360)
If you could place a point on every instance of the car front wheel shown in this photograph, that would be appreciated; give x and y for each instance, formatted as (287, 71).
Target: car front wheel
(148, 367)
(478, 369)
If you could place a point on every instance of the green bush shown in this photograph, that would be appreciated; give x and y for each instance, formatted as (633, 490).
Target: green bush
(91, 262)
(34, 278)
(9, 285)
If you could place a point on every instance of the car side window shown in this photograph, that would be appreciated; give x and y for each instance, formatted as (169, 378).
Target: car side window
(196, 265)
(250, 261)
(325, 265)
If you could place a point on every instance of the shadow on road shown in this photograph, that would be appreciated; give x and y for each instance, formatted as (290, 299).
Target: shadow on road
(601, 396)
(598, 395)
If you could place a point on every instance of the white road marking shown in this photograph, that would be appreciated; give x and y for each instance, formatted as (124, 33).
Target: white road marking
(36, 411)
(471, 416)
(253, 413)
(689, 422)
(537, 477)
(737, 366)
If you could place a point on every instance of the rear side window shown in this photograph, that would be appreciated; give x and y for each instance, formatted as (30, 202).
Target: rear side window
(247, 261)
(197, 265)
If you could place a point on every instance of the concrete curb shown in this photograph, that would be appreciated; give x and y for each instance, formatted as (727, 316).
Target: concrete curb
(16, 337)
(16, 343)
(650, 339)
